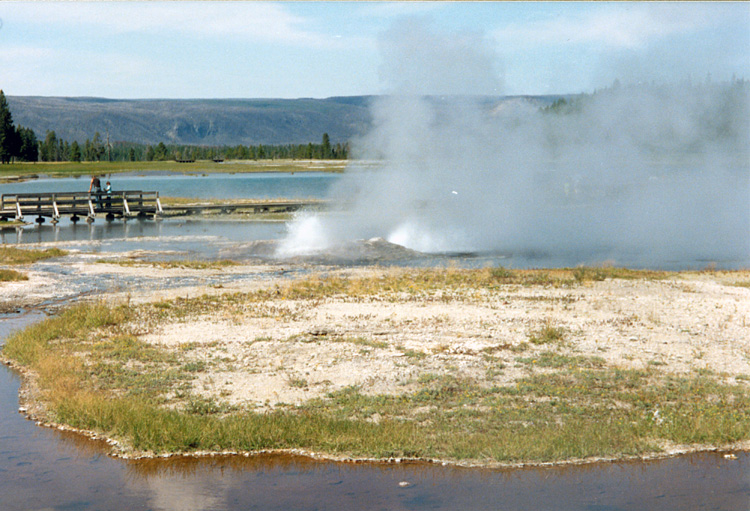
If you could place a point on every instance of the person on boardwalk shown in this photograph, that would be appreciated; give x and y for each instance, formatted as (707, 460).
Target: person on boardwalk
(95, 188)
(108, 191)
(96, 185)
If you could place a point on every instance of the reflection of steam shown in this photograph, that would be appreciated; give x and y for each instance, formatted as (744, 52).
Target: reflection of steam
(170, 494)
(650, 173)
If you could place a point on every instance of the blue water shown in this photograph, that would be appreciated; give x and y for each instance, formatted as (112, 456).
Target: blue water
(205, 237)
(192, 234)
(271, 185)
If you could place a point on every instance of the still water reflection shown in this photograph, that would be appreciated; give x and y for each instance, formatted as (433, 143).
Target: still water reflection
(187, 238)
(302, 185)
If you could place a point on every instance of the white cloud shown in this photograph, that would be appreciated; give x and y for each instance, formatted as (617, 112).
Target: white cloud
(619, 26)
(30, 70)
(277, 49)
(257, 21)
(395, 10)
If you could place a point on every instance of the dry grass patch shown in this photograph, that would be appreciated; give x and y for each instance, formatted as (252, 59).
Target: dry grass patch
(447, 284)
(167, 265)
(12, 276)
(456, 401)
(13, 255)
(548, 334)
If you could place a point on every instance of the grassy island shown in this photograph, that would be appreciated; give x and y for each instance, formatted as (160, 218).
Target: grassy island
(483, 367)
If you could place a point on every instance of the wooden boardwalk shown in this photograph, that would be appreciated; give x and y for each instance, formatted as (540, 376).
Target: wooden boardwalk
(127, 204)
(78, 205)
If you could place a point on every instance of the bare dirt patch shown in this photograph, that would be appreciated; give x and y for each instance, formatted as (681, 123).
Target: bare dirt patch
(287, 351)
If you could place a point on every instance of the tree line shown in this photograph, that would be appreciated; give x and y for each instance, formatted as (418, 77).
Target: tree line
(97, 149)
(21, 144)
(15, 142)
(322, 151)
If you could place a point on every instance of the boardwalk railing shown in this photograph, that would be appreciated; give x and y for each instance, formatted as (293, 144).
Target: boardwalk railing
(125, 204)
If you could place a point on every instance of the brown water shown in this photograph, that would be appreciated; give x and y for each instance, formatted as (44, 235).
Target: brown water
(44, 469)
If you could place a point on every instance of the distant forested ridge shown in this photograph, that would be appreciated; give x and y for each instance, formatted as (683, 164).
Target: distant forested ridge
(95, 129)
(194, 122)
(678, 118)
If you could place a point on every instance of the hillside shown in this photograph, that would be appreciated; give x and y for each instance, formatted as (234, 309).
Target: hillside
(195, 122)
(209, 122)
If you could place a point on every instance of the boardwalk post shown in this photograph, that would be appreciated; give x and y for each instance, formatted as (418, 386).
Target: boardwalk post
(56, 215)
(92, 214)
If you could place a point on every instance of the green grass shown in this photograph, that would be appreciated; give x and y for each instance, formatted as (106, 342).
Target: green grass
(362, 341)
(96, 374)
(201, 166)
(549, 359)
(403, 285)
(12, 276)
(450, 283)
(572, 413)
(13, 255)
(297, 383)
(547, 334)
(182, 201)
(11, 224)
(182, 264)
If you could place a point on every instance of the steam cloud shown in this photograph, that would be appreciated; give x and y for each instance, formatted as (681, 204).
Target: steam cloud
(637, 174)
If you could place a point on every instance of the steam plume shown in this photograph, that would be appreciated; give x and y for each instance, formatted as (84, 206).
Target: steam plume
(651, 173)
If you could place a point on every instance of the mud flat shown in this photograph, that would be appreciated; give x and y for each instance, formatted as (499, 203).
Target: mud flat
(479, 367)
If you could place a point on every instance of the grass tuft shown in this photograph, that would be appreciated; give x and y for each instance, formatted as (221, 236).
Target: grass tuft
(183, 264)
(13, 255)
(12, 276)
(547, 334)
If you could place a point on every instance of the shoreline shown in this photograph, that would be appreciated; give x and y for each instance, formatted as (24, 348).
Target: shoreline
(16, 172)
(27, 403)
(457, 350)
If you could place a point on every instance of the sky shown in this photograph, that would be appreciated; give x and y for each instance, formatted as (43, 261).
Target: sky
(238, 49)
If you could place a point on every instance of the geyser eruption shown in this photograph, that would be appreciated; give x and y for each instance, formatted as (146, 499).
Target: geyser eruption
(640, 175)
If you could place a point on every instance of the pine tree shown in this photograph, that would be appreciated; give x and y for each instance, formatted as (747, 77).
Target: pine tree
(88, 151)
(9, 140)
(75, 152)
(160, 152)
(97, 147)
(326, 147)
(49, 147)
(29, 148)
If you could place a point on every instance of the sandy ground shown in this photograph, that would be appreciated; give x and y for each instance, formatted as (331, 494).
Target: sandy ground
(288, 351)
(291, 351)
